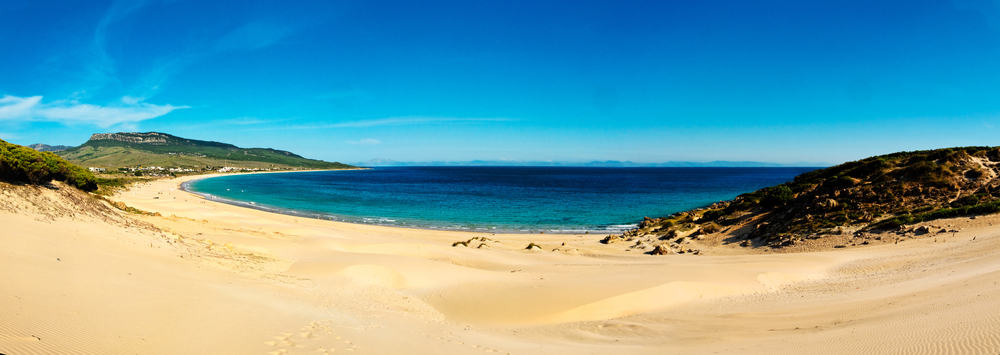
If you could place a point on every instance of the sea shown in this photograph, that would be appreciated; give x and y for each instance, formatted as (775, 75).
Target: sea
(494, 199)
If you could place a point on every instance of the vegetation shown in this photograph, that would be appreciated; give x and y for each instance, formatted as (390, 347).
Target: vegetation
(881, 192)
(160, 149)
(26, 165)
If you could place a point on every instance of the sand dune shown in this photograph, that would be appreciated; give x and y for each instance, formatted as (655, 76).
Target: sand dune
(206, 277)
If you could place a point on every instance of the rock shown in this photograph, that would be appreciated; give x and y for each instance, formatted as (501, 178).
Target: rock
(922, 230)
(483, 246)
(661, 250)
(611, 239)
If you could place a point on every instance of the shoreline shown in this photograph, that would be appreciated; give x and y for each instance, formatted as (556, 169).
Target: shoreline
(185, 186)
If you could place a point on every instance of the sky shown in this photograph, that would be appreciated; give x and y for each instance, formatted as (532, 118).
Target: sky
(555, 81)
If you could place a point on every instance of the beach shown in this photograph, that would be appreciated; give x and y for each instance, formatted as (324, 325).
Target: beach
(199, 276)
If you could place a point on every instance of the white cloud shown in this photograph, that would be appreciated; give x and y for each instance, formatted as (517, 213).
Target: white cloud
(130, 111)
(366, 141)
(396, 121)
(247, 120)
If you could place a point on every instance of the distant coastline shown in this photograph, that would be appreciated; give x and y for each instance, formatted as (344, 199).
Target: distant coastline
(606, 164)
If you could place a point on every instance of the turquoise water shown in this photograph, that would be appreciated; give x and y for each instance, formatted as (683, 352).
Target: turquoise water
(500, 199)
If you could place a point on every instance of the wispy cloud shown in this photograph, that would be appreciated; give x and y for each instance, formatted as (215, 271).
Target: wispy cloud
(989, 10)
(399, 121)
(253, 35)
(246, 120)
(102, 70)
(366, 141)
(129, 112)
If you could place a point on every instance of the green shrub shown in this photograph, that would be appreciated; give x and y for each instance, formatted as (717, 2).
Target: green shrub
(777, 196)
(974, 174)
(710, 227)
(23, 164)
(712, 215)
(968, 200)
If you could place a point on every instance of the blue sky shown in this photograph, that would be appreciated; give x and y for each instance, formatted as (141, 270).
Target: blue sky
(656, 81)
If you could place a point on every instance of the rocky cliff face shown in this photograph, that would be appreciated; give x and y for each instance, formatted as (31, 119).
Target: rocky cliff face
(137, 138)
(47, 148)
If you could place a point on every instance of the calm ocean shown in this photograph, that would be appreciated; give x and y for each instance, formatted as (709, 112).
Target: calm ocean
(499, 199)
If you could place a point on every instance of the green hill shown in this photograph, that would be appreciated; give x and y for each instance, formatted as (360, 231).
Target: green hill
(877, 193)
(164, 150)
(25, 165)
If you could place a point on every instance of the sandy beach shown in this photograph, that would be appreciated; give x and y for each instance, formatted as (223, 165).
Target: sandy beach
(209, 278)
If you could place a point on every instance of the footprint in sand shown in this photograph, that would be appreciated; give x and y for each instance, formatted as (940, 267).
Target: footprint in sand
(311, 337)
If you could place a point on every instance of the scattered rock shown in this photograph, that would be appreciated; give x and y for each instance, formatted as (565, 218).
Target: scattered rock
(611, 239)
(661, 250)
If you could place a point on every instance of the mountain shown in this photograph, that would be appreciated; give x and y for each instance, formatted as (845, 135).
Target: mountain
(605, 164)
(161, 149)
(47, 148)
(379, 162)
(875, 194)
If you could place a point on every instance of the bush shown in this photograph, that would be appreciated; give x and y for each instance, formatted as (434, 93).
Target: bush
(968, 200)
(709, 228)
(712, 215)
(974, 174)
(23, 164)
(777, 196)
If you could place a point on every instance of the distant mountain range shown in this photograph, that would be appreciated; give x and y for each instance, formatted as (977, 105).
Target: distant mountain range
(165, 150)
(48, 148)
(604, 164)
